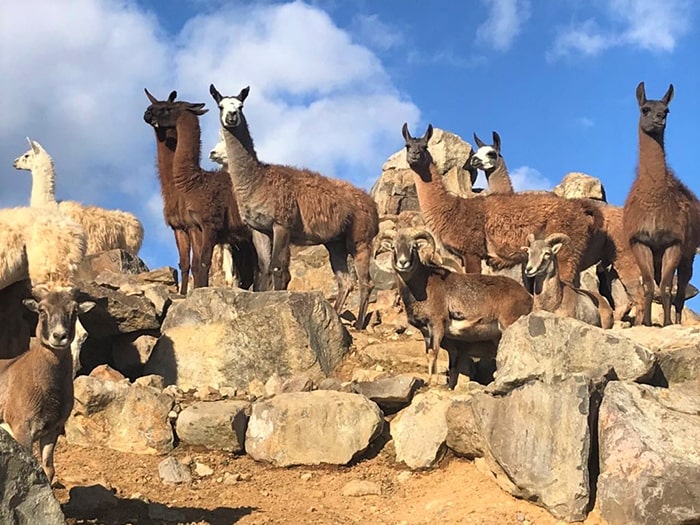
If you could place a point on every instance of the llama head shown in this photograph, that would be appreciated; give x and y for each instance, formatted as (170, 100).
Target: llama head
(163, 114)
(652, 113)
(541, 253)
(218, 152)
(31, 158)
(58, 312)
(417, 154)
(487, 156)
(230, 107)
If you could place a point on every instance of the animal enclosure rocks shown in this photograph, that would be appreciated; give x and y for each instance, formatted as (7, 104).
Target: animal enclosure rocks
(115, 261)
(215, 425)
(577, 185)
(219, 337)
(395, 191)
(390, 393)
(419, 430)
(25, 495)
(539, 437)
(543, 346)
(649, 456)
(312, 428)
(129, 418)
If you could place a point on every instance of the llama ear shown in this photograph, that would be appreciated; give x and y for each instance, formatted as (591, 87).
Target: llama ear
(215, 94)
(496, 141)
(150, 97)
(404, 131)
(243, 94)
(668, 96)
(479, 143)
(172, 96)
(428, 133)
(36, 147)
(641, 94)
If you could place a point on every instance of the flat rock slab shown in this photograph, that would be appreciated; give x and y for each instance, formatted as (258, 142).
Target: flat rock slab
(390, 393)
(218, 425)
(311, 428)
(649, 456)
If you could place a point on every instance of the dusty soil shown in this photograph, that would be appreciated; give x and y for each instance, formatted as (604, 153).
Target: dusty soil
(456, 492)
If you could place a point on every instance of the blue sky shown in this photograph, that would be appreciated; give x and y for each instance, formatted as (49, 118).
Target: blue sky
(332, 82)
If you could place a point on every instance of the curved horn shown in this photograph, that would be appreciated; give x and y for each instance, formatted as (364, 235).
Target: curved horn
(428, 237)
(557, 237)
(479, 143)
(386, 235)
(153, 99)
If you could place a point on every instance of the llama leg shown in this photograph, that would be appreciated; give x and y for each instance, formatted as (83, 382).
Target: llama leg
(182, 240)
(47, 444)
(279, 261)
(197, 239)
(645, 260)
(208, 239)
(246, 263)
(685, 272)
(338, 255)
(263, 247)
(455, 363)
(362, 257)
(669, 263)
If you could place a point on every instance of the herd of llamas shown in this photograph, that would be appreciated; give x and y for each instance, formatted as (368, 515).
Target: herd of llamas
(254, 211)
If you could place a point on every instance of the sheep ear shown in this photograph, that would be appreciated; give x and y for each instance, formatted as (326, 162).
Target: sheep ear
(428, 133)
(530, 239)
(86, 306)
(496, 142)
(557, 246)
(243, 94)
(404, 131)
(641, 94)
(153, 99)
(31, 304)
(525, 249)
(479, 143)
(215, 94)
(668, 96)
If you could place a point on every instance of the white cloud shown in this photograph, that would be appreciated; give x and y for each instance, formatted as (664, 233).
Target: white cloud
(505, 21)
(74, 79)
(527, 178)
(645, 24)
(586, 122)
(371, 30)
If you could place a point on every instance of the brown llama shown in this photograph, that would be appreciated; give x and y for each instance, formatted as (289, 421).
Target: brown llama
(661, 215)
(299, 206)
(208, 206)
(495, 227)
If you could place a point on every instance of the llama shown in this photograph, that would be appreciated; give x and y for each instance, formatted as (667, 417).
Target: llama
(495, 227)
(105, 229)
(36, 388)
(291, 205)
(199, 206)
(490, 161)
(661, 215)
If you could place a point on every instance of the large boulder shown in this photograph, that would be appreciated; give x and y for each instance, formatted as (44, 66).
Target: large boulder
(217, 425)
(25, 495)
(649, 456)
(312, 428)
(221, 337)
(576, 185)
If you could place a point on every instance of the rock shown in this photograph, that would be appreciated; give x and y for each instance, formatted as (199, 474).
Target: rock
(152, 381)
(390, 393)
(649, 456)
(220, 337)
(576, 185)
(171, 470)
(203, 470)
(539, 437)
(106, 373)
(218, 425)
(395, 190)
(115, 261)
(311, 428)
(25, 495)
(544, 346)
(130, 352)
(165, 276)
(121, 417)
(91, 501)
(464, 435)
(419, 430)
(273, 386)
(310, 270)
(361, 487)
(297, 383)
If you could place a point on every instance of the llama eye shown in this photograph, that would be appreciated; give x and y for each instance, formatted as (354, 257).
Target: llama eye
(492, 154)
(645, 111)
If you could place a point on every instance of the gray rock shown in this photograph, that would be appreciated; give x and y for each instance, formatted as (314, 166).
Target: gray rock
(390, 393)
(539, 437)
(577, 185)
(464, 435)
(544, 346)
(130, 352)
(649, 456)
(214, 424)
(121, 417)
(419, 430)
(25, 495)
(219, 337)
(311, 428)
(171, 470)
(114, 261)
(297, 383)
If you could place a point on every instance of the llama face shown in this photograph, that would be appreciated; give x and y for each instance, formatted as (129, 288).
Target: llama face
(230, 109)
(28, 159)
(485, 158)
(417, 154)
(652, 118)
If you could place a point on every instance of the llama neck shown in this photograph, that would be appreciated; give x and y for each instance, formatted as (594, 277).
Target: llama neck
(498, 178)
(188, 151)
(43, 184)
(436, 203)
(548, 290)
(166, 142)
(243, 163)
(652, 157)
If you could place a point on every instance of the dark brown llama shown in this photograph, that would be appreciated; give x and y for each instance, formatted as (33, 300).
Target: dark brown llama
(299, 206)
(495, 227)
(208, 204)
(661, 215)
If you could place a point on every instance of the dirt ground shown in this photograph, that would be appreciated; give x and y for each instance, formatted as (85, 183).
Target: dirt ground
(245, 492)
